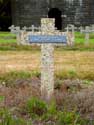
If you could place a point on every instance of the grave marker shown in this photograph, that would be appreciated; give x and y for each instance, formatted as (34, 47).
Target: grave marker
(87, 31)
(16, 30)
(71, 33)
(48, 37)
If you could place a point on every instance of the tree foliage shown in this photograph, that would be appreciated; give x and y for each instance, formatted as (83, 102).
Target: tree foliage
(1, 0)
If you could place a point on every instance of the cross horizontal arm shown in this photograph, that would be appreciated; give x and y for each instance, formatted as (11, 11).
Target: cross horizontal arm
(84, 31)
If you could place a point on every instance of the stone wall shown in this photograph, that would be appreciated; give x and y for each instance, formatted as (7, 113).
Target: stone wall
(29, 12)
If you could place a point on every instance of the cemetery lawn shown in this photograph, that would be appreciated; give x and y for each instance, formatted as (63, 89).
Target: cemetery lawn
(80, 38)
(68, 64)
(20, 99)
(7, 37)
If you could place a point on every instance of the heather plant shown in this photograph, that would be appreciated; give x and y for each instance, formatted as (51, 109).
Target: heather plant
(2, 98)
(6, 118)
(36, 107)
(40, 111)
(70, 118)
(72, 74)
(51, 113)
(44, 112)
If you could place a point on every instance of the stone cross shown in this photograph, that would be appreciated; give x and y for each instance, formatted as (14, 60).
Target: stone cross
(16, 30)
(87, 31)
(32, 28)
(24, 28)
(48, 37)
(71, 33)
(93, 27)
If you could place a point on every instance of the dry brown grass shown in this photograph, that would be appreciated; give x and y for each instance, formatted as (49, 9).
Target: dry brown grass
(22, 60)
(66, 62)
(79, 63)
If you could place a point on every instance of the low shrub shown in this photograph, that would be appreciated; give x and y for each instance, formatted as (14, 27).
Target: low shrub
(6, 118)
(36, 107)
(44, 112)
(70, 118)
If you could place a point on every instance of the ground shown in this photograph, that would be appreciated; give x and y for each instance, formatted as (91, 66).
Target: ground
(20, 81)
(78, 63)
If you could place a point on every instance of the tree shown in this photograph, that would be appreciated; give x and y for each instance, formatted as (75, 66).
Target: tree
(1, 1)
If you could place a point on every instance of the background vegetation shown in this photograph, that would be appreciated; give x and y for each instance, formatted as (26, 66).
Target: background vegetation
(74, 80)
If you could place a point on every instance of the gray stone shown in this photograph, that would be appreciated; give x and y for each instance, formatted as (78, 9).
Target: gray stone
(78, 12)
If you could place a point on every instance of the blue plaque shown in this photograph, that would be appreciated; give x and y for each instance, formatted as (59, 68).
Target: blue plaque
(47, 39)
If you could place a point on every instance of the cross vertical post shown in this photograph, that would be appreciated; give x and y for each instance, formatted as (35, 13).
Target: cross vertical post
(87, 31)
(71, 34)
(47, 62)
(18, 35)
(16, 30)
(87, 35)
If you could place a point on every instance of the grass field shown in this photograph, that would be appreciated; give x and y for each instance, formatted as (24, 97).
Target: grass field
(76, 61)
(68, 64)
(7, 37)
(20, 99)
(79, 38)
(8, 42)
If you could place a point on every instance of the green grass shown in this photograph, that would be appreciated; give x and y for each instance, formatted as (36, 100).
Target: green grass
(80, 38)
(89, 76)
(6, 34)
(6, 118)
(9, 78)
(39, 110)
(7, 37)
(12, 46)
(61, 117)
(8, 42)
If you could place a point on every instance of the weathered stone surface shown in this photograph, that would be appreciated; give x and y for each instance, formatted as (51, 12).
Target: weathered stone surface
(79, 12)
(47, 63)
